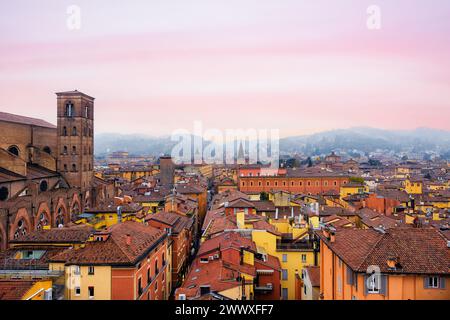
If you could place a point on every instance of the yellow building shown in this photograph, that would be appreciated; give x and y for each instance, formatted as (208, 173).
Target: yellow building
(413, 186)
(353, 188)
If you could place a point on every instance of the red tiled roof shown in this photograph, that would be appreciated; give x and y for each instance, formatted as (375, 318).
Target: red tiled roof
(14, 289)
(9, 117)
(314, 275)
(115, 249)
(177, 221)
(76, 234)
(226, 240)
(418, 250)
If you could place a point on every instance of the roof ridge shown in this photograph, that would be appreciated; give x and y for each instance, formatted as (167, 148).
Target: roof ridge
(372, 249)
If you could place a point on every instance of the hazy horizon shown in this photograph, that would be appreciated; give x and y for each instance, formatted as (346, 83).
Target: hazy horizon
(300, 67)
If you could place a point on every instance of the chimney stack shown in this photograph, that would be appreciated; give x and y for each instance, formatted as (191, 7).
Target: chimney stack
(128, 239)
(332, 237)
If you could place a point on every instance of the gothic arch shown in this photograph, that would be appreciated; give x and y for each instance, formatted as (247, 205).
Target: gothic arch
(22, 224)
(60, 216)
(43, 216)
(75, 206)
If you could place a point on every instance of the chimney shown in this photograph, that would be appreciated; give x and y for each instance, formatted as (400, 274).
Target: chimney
(292, 212)
(276, 214)
(128, 239)
(332, 237)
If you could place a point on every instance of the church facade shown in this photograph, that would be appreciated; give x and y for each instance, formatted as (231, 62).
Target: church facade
(47, 171)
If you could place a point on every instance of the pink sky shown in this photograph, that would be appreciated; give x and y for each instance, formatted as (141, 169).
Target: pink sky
(299, 66)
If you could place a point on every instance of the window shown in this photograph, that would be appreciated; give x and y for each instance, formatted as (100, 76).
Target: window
(65, 167)
(285, 258)
(4, 193)
(77, 291)
(284, 274)
(303, 258)
(47, 150)
(373, 285)
(76, 270)
(43, 186)
(284, 293)
(205, 290)
(139, 286)
(149, 279)
(74, 167)
(74, 131)
(156, 267)
(14, 150)
(64, 132)
(91, 292)
(432, 282)
(91, 270)
(86, 112)
(69, 109)
(21, 229)
(65, 150)
(74, 150)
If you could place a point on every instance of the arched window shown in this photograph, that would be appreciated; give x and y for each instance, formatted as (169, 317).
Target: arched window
(69, 109)
(65, 167)
(64, 131)
(156, 267)
(42, 221)
(4, 193)
(74, 150)
(43, 186)
(86, 112)
(164, 259)
(60, 218)
(21, 229)
(65, 150)
(47, 150)
(14, 150)
(74, 131)
(74, 167)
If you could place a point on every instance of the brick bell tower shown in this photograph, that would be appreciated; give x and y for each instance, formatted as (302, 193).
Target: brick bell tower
(75, 141)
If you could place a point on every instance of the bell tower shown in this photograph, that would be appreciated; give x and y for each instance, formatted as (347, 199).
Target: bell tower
(75, 125)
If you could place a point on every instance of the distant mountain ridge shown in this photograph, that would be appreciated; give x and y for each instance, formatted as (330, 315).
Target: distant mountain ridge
(363, 139)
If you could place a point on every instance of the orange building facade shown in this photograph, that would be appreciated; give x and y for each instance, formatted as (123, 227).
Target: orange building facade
(305, 185)
(343, 273)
